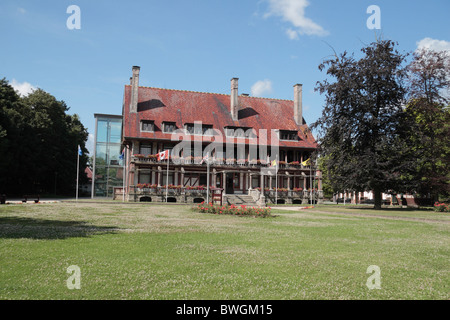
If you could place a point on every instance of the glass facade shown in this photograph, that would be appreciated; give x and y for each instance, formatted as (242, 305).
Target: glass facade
(108, 167)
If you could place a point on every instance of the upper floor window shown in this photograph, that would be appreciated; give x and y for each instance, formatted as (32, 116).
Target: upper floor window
(145, 149)
(288, 135)
(239, 132)
(207, 130)
(167, 147)
(200, 129)
(148, 125)
(169, 127)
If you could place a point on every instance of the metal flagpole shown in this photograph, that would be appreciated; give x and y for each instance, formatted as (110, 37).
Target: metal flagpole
(126, 173)
(276, 179)
(123, 176)
(207, 178)
(310, 181)
(78, 169)
(167, 175)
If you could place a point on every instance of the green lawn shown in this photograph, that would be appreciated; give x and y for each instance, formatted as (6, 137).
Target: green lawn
(138, 251)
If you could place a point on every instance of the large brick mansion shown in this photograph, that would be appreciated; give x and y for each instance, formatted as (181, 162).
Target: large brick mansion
(240, 135)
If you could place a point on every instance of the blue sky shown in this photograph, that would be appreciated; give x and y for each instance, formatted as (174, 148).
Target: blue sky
(198, 45)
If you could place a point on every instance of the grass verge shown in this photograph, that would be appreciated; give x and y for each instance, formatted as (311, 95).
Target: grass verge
(169, 252)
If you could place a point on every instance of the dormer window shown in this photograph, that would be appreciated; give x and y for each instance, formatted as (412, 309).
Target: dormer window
(207, 130)
(288, 135)
(169, 127)
(199, 129)
(147, 125)
(239, 132)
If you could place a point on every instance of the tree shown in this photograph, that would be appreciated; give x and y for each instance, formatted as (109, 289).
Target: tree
(327, 185)
(14, 125)
(39, 143)
(362, 127)
(428, 109)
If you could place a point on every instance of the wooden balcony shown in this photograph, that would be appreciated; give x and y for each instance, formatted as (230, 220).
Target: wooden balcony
(229, 163)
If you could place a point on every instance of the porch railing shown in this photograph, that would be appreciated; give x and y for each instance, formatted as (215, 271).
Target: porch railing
(217, 162)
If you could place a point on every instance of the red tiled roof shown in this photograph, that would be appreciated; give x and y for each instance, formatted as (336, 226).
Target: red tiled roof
(183, 107)
(88, 172)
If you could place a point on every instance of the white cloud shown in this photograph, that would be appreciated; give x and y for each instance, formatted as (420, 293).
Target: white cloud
(22, 10)
(433, 44)
(261, 88)
(90, 144)
(292, 34)
(293, 11)
(23, 88)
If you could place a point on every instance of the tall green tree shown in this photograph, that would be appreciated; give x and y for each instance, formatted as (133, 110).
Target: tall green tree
(14, 122)
(362, 127)
(428, 109)
(38, 141)
(327, 185)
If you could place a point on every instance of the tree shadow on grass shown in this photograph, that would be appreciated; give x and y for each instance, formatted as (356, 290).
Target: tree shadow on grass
(40, 229)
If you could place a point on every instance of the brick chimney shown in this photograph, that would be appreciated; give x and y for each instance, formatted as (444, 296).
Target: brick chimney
(134, 89)
(298, 105)
(234, 102)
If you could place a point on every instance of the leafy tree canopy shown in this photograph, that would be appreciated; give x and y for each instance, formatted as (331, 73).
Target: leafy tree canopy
(38, 143)
(363, 122)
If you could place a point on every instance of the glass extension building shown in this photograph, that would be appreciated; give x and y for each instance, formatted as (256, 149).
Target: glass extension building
(107, 165)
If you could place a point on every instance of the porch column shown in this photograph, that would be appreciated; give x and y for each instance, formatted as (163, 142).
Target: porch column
(224, 182)
(136, 175)
(214, 178)
(135, 150)
(288, 181)
(176, 180)
(182, 177)
(249, 181)
(160, 177)
(153, 177)
(262, 198)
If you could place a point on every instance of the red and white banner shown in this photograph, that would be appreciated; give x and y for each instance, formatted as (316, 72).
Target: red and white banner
(163, 155)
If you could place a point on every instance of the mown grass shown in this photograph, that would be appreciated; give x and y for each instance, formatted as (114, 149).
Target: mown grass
(170, 252)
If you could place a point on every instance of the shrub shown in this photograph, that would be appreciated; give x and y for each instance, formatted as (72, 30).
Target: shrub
(233, 210)
(441, 207)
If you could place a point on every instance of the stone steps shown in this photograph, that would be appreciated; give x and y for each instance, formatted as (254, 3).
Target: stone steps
(240, 199)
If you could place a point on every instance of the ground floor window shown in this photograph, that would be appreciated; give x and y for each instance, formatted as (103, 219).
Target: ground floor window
(168, 179)
(236, 181)
(255, 181)
(219, 181)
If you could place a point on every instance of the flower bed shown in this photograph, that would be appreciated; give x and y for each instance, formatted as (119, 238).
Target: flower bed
(146, 186)
(233, 210)
(201, 188)
(441, 207)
